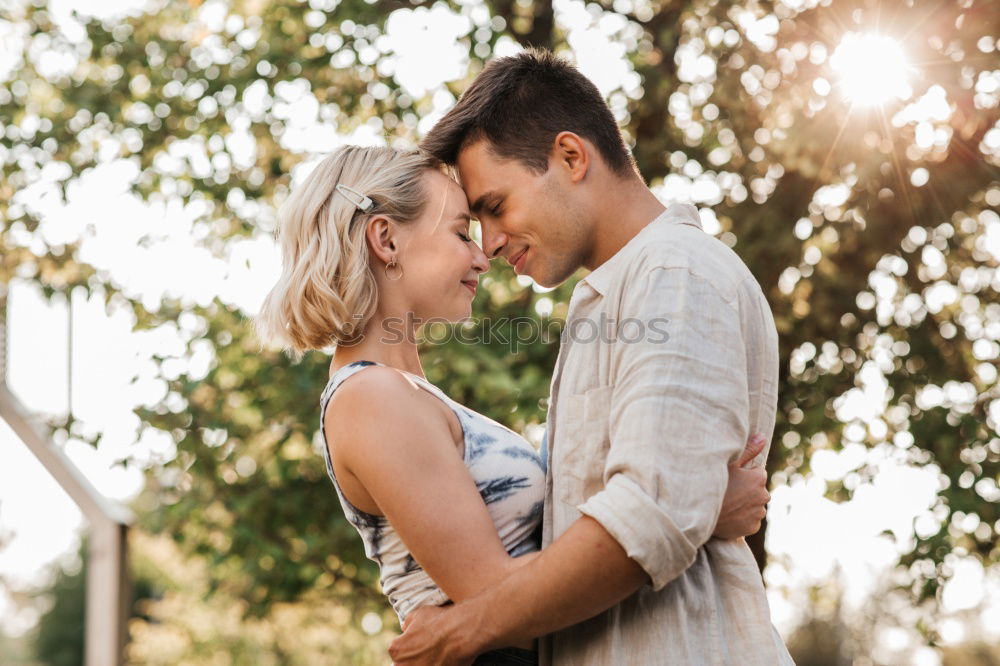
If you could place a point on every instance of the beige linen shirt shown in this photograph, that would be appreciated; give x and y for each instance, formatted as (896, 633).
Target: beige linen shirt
(668, 360)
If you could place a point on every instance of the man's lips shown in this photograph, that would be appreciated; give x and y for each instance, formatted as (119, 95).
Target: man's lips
(517, 261)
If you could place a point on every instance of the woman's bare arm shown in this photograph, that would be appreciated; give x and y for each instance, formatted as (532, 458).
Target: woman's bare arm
(395, 440)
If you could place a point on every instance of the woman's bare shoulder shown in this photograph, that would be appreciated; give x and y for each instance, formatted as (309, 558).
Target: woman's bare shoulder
(377, 402)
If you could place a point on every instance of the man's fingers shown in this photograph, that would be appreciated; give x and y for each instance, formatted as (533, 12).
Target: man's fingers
(419, 611)
(754, 446)
(409, 618)
(396, 650)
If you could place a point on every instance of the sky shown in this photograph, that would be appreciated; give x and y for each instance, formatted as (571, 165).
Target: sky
(811, 540)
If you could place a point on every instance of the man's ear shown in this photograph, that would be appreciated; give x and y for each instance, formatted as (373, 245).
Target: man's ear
(572, 153)
(381, 237)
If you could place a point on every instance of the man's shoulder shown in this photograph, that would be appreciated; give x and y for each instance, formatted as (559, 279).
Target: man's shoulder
(686, 247)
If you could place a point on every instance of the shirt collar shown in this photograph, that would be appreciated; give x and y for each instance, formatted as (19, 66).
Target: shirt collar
(600, 278)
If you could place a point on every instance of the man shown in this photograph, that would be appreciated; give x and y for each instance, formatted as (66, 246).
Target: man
(668, 361)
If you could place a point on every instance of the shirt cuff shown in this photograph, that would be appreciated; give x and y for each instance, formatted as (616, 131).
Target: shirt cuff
(642, 528)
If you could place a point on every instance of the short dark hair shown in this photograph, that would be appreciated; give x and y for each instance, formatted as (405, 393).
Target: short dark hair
(520, 104)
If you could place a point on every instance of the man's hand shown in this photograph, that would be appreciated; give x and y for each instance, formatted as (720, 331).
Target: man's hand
(428, 640)
(743, 507)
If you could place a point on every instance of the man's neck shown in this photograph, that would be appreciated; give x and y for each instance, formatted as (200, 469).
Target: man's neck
(623, 214)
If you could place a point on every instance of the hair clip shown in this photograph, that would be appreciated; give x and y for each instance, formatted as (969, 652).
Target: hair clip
(360, 201)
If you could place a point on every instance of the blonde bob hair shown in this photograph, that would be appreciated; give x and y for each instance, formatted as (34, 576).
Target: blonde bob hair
(326, 293)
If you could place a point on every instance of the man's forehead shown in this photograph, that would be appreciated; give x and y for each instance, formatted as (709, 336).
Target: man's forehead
(472, 189)
(478, 158)
(483, 174)
(470, 181)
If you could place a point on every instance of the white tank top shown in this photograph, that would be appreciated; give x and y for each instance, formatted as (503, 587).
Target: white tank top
(508, 473)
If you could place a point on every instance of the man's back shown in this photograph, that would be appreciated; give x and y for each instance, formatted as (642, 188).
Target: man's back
(645, 417)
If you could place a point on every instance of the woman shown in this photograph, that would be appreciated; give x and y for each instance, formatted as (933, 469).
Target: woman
(446, 500)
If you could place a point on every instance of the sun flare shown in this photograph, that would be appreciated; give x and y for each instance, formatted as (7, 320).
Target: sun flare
(872, 69)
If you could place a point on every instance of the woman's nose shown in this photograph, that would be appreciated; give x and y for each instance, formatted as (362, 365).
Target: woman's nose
(480, 262)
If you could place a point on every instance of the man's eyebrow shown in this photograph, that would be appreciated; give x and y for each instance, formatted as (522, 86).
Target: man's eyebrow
(479, 204)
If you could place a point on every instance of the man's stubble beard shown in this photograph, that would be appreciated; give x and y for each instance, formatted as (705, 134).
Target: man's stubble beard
(570, 245)
(570, 253)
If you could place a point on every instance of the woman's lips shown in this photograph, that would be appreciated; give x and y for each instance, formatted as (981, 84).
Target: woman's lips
(471, 285)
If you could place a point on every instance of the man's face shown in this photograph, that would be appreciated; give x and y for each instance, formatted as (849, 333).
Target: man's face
(535, 221)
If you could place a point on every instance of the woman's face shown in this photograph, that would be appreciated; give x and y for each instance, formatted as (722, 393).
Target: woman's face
(439, 260)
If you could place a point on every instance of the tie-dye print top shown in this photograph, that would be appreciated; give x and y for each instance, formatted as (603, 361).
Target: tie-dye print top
(507, 470)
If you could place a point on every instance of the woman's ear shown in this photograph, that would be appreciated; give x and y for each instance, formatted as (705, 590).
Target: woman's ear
(380, 234)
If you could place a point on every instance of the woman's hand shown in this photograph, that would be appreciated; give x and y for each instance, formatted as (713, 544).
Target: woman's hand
(745, 502)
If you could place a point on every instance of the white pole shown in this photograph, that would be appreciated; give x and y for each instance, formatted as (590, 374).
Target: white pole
(109, 590)
(108, 595)
(3, 333)
(69, 356)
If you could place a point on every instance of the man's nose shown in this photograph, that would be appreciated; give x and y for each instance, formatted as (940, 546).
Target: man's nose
(493, 243)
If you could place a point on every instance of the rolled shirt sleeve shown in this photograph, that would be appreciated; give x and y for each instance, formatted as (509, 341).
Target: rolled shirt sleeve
(678, 416)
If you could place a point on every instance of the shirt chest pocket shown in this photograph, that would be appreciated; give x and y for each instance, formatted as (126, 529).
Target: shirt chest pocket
(582, 453)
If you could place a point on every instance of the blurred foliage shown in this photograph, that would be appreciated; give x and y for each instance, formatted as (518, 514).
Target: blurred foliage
(188, 624)
(58, 639)
(872, 230)
(175, 620)
(832, 635)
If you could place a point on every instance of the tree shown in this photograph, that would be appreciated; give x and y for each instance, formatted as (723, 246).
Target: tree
(60, 634)
(872, 230)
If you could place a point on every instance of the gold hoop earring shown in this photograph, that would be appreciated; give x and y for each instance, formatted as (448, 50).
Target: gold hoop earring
(393, 264)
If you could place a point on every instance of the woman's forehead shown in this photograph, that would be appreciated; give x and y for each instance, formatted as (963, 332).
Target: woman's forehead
(453, 200)
(446, 202)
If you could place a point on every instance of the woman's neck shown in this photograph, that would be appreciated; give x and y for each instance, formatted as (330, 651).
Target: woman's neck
(383, 343)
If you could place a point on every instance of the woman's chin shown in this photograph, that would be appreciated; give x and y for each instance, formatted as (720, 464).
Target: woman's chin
(459, 315)
(465, 314)
(462, 318)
